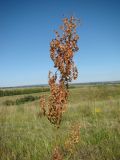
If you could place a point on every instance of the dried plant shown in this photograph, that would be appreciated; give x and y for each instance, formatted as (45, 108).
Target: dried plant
(62, 50)
(42, 104)
(73, 138)
(57, 154)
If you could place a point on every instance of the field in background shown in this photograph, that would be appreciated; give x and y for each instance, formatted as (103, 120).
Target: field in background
(26, 136)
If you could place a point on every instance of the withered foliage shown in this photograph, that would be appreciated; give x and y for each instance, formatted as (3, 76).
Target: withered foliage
(62, 50)
(57, 100)
(57, 154)
(73, 138)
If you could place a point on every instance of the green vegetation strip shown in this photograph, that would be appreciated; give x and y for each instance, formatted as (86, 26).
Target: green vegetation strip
(21, 100)
(21, 91)
(11, 92)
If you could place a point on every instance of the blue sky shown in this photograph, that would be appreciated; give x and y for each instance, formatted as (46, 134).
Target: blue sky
(26, 29)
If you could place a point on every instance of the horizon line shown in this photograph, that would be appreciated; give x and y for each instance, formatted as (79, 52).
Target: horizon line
(46, 84)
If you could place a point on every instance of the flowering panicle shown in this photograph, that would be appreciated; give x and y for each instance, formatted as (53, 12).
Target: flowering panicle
(57, 154)
(43, 104)
(62, 50)
(73, 138)
(57, 100)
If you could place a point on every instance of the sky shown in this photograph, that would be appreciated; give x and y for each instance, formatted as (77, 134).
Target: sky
(27, 27)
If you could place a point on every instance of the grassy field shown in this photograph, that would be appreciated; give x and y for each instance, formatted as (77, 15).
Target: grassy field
(26, 136)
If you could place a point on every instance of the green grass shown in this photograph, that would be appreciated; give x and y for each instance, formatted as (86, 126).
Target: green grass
(25, 136)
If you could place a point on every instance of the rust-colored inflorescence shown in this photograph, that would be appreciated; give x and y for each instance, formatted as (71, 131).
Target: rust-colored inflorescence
(73, 139)
(43, 104)
(57, 100)
(62, 50)
(57, 154)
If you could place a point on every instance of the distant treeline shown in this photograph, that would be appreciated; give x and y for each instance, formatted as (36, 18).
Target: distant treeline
(19, 101)
(11, 92)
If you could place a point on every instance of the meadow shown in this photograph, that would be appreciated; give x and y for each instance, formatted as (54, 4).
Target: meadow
(27, 135)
